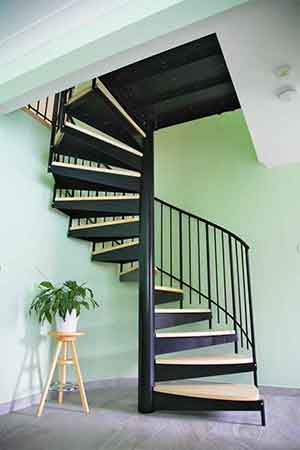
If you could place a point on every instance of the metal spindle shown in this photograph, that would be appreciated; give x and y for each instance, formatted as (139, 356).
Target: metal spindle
(208, 270)
(46, 108)
(171, 249)
(199, 260)
(161, 242)
(224, 278)
(190, 258)
(244, 293)
(216, 274)
(233, 291)
(180, 252)
(239, 293)
(251, 315)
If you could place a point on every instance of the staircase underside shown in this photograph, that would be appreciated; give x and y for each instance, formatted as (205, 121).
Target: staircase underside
(185, 83)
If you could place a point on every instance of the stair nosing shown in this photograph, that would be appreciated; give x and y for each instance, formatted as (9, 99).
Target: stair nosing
(186, 390)
(103, 224)
(132, 269)
(105, 138)
(181, 310)
(168, 289)
(105, 91)
(116, 247)
(185, 334)
(126, 173)
(208, 360)
(79, 95)
(100, 198)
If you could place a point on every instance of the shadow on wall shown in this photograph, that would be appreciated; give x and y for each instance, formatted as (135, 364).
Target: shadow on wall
(30, 372)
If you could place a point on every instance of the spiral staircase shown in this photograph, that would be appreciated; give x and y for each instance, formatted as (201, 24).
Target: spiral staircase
(193, 275)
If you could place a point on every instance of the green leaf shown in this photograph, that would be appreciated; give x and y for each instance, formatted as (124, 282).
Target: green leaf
(46, 284)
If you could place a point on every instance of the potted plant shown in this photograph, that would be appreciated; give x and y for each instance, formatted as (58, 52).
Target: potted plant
(62, 304)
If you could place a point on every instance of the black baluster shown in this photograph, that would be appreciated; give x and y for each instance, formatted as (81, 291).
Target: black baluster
(239, 293)
(199, 260)
(53, 130)
(251, 315)
(216, 274)
(233, 291)
(46, 108)
(190, 259)
(161, 242)
(180, 256)
(244, 293)
(224, 278)
(171, 248)
(208, 270)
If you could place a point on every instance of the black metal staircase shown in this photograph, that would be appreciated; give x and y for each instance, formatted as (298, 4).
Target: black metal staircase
(190, 271)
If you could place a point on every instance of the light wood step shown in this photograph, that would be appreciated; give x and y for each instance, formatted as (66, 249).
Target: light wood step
(183, 334)
(100, 198)
(168, 289)
(115, 248)
(205, 360)
(181, 310)
(103, 224)
(127, 173)
(101, 86)
(105, 91)
(100, 136)
(235, 392)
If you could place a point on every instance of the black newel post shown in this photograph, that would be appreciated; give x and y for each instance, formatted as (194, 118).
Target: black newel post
(146, 279)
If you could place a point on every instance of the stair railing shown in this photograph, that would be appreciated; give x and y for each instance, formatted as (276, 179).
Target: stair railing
(210, 264)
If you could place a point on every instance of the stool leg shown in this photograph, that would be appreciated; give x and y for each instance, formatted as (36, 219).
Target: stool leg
(50, 376)
(63, 373)
(79, 379)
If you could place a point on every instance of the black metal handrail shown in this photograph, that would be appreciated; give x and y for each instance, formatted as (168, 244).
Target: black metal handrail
(219, 227)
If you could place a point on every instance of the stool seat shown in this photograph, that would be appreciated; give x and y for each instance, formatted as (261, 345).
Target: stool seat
(63, 339)
(60, 336)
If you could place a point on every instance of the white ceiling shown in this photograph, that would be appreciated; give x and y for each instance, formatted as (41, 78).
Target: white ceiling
(28, 25)
(255, 37)
(16, 18)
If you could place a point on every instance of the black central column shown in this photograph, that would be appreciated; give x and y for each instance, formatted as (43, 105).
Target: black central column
(146, 278)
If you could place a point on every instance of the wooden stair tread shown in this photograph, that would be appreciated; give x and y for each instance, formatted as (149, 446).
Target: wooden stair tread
(127, 173)
(101, 137)
(176, 334)
(100, 198)
(235, 392)
(205, 360)
(101, 86)
(168, 289)
(181, 310)
(132, 269)
(115, 247)
(103, 224)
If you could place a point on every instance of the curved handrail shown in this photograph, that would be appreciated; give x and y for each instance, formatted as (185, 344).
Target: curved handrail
(208, 222)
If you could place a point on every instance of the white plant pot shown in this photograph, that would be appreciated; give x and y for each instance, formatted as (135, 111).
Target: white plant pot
(69, 325)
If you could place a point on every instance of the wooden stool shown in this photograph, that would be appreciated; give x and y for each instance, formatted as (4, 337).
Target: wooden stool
(62, 343)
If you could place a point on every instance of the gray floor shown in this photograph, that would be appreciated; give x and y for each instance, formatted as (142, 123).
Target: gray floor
(114, 424)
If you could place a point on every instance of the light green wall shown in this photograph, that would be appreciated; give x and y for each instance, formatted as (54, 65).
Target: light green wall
(34, 246)
(209, 167)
